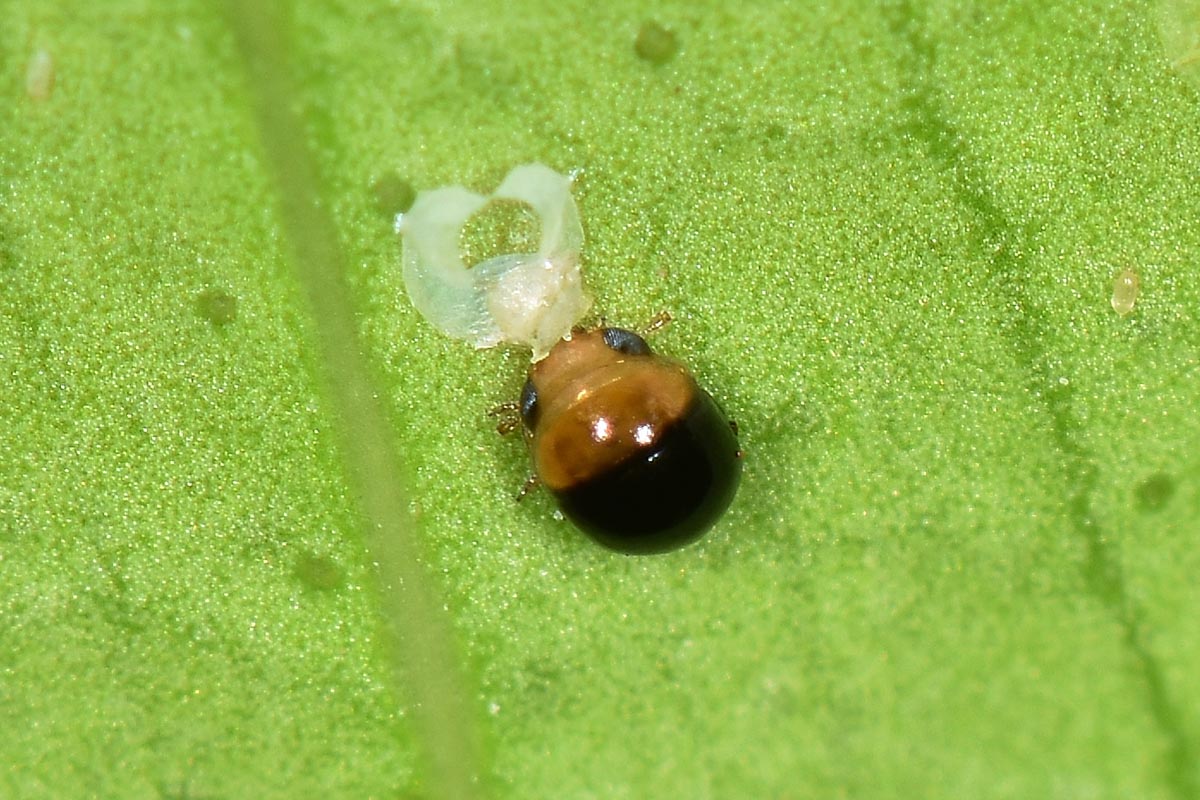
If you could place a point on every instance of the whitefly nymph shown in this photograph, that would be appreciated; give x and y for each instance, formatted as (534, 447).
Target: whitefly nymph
(637, 455)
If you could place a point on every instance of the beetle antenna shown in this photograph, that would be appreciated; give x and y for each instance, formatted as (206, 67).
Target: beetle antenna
(657, 323)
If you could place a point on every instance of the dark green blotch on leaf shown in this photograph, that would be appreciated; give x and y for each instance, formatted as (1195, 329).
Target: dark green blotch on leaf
(217, 306)
(655, 43)
(318, 572)
(393, 195)
(1154, 492)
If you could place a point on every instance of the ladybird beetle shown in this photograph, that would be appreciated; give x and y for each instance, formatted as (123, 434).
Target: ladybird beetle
(637, 455)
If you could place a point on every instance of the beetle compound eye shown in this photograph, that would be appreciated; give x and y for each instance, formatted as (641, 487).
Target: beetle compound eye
(626, 342)
(529, 408)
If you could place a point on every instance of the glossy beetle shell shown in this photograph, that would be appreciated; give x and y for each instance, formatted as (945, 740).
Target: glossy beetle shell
(637, 455)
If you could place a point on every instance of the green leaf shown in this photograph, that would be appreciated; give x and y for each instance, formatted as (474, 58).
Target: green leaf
(962, 562)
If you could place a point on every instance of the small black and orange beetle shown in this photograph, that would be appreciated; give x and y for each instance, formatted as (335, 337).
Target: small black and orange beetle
(637, 455)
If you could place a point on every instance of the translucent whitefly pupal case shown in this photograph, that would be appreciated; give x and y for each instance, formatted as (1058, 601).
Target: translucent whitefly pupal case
(530, 299)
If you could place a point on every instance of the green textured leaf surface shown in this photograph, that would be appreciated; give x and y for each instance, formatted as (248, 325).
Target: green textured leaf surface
(962, 562)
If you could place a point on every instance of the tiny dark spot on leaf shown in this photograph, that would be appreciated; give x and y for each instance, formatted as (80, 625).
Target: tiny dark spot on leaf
(655, 43)
(217, 306)
(393, 195)
(318, 572)
(1154, 492)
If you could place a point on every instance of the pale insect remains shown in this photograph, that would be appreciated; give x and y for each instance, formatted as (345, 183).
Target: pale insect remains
(1125, 291)
(530, 299)
(39, 76)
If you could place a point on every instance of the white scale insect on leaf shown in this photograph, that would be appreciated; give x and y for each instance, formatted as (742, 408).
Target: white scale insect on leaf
(530, 299)
(1125, 291)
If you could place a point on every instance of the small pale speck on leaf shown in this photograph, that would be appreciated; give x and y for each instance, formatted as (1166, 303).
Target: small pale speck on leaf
(39, 76)
(393, 195)
(655, 43)
(1125, 291)
(217, 306)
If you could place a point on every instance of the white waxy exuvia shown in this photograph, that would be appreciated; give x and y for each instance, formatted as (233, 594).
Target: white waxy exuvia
(530, 299)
